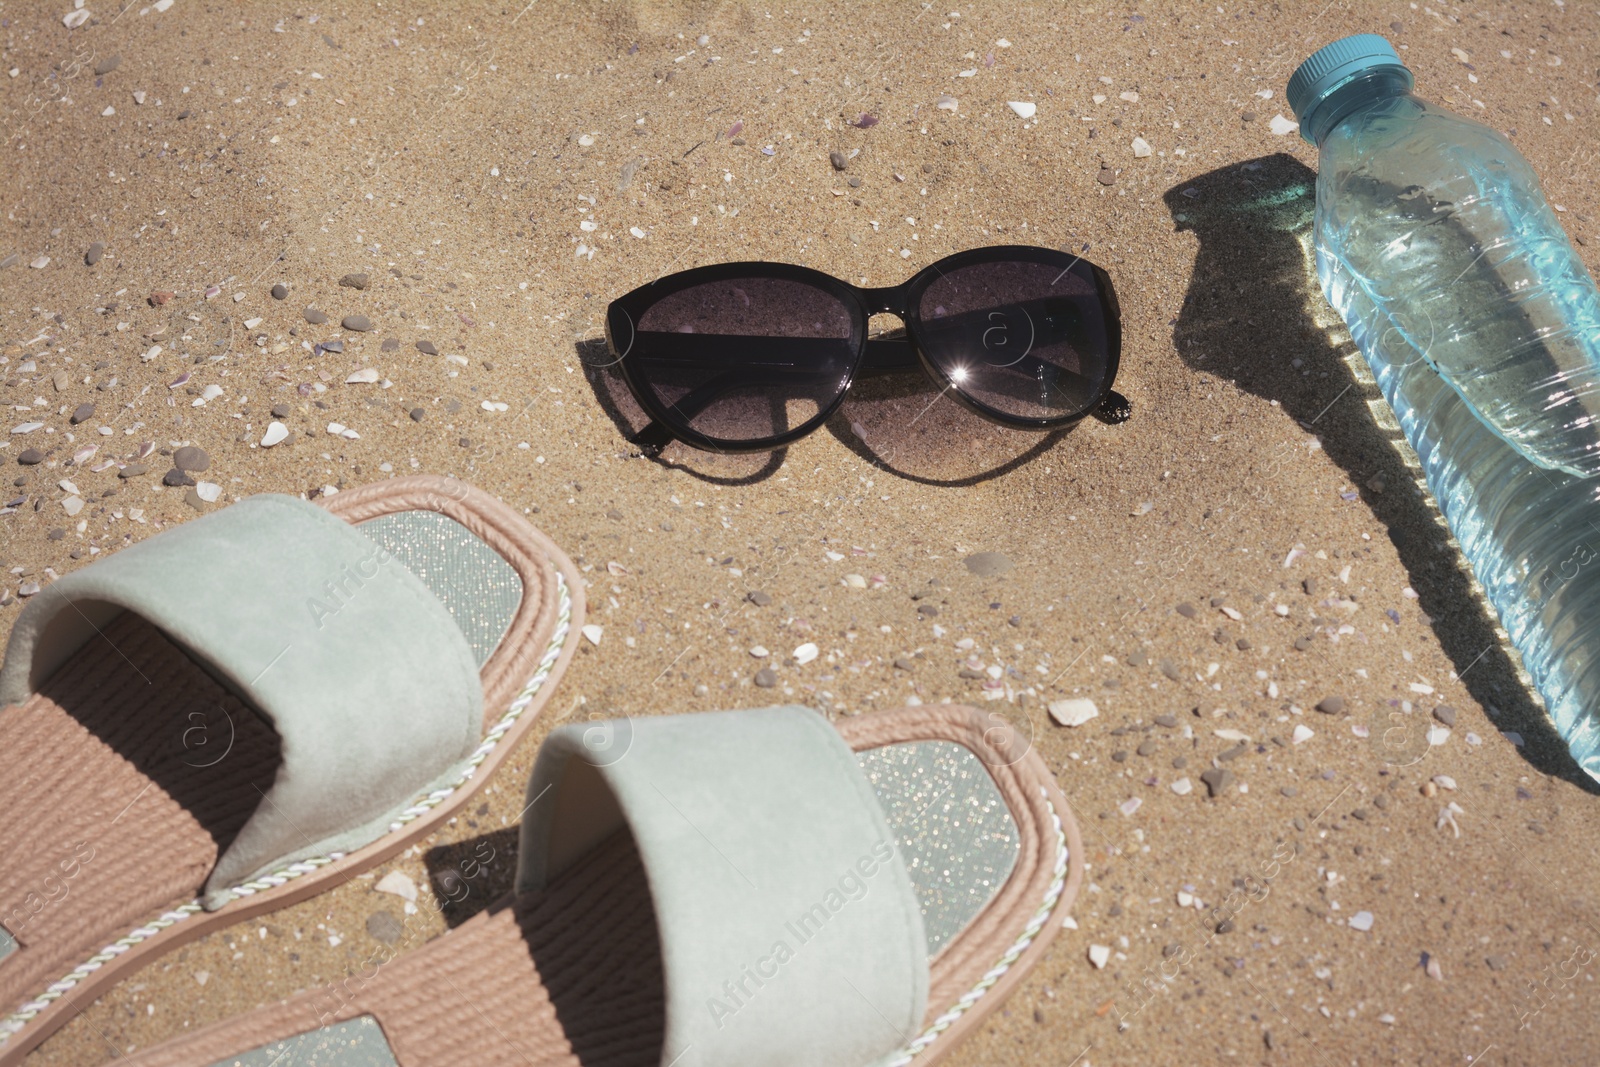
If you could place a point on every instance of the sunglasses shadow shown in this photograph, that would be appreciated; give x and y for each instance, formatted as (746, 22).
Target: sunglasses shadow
(617, 401)
(1251, 315)
(907, 427)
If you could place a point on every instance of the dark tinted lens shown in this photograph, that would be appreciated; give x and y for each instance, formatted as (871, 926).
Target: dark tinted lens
(744, 359)
(1026, 339)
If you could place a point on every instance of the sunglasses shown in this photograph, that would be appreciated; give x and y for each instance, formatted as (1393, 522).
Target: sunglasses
(747, 357)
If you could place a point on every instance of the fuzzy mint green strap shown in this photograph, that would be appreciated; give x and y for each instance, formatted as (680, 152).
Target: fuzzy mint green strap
(790, 933)
(369, 683)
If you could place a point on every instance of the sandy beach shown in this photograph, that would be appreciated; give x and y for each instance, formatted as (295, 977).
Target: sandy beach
(1252, 544)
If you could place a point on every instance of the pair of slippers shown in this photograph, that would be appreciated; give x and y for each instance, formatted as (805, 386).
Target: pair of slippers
(243, 711)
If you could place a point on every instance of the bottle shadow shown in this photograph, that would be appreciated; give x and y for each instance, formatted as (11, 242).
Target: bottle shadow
(1255, 314)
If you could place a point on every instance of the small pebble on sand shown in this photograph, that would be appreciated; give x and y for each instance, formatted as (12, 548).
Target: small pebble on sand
(383, 926)
(314, 317)
(988, 564)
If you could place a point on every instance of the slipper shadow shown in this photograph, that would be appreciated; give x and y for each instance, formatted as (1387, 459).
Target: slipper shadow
(592, 939)
(1255, 314)
(617, 401)
(469, 875)
(178, 728)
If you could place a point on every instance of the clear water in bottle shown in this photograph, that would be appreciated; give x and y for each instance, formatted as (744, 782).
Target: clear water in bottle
(1478, 322)
(1441, 223)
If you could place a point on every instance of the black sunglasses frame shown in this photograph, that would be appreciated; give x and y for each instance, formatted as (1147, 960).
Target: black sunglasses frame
(874, 356)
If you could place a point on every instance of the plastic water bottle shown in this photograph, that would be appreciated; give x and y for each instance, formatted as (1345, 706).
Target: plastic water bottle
(1479, 323)
(1440, 221)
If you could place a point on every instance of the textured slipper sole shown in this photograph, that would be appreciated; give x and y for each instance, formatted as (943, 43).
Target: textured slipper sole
(571, 977)
(142, 903)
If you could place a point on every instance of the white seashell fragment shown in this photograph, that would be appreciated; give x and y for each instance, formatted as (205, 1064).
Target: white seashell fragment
(1074, 711)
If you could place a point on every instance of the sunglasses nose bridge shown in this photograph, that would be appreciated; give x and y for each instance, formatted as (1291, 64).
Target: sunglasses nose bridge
(885, 301)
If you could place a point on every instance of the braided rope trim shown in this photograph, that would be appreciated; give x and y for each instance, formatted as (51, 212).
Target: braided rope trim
(558, 639)
(14, 1023)
(906, 1054)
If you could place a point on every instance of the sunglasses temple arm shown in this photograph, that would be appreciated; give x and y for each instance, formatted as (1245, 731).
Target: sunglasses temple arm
(887, 355)
(656, 436)
(652, 439)
(893, 353)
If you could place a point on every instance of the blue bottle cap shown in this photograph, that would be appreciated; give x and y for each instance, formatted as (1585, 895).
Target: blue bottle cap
(1334, 64)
